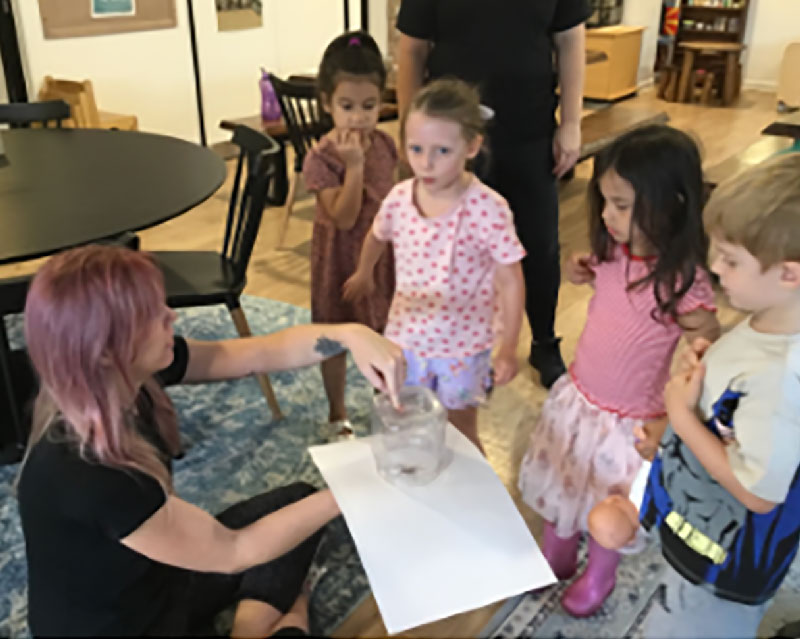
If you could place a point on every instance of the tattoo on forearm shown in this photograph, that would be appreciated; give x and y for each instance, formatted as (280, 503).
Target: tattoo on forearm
(328, 347)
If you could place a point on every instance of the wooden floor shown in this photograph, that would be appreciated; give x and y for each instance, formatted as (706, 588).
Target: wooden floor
(283, 274)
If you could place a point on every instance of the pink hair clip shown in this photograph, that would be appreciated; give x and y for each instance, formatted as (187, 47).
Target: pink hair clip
(354, 42)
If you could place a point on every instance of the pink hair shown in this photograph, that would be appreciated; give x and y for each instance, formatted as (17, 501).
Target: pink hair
(86, 314)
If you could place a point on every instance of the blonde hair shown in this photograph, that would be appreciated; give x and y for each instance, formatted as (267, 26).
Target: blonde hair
(449, 99)
(760, 210)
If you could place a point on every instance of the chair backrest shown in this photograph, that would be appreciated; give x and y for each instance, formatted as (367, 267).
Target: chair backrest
(80, 97)
(789, 78)
(256, 167)
(304, 118)
(26, 114)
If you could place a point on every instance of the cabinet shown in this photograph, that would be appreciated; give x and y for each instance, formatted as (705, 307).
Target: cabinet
(713, 21)
(616, 76)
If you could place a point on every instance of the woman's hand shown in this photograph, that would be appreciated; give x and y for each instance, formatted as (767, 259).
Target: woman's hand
(566, 147)
(359, 285)
(381, 361)
(579, 269)
(505, 366)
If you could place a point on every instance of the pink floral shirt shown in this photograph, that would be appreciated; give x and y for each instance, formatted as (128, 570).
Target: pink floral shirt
(444, 269)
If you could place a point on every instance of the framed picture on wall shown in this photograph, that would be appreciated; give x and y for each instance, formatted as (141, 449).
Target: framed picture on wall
(233, 15)
(112, 8)
(76, 18)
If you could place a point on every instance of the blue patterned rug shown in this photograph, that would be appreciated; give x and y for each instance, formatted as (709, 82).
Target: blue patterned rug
(233, 451)
(539, 614)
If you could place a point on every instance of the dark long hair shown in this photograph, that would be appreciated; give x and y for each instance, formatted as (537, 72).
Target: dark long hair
(664, 168)
(352, 53)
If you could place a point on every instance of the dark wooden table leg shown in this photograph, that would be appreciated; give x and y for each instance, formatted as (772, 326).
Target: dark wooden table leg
(686, 75)
(729, 86)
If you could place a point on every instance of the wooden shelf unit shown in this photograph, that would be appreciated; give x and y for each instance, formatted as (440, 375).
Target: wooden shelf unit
(733, 19)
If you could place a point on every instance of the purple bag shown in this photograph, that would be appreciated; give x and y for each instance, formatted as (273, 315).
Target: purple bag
(270, 107)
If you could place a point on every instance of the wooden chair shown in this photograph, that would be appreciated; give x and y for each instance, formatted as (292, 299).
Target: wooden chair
(34, 114)
(201, 278)
(80, 97)
(305, 124)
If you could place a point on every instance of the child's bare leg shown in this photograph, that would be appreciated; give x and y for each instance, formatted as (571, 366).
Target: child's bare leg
(334, 371)
(254, 619)
(466, 420)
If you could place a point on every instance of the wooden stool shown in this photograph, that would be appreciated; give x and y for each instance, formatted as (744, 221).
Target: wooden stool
(727, 51)
(704, 79)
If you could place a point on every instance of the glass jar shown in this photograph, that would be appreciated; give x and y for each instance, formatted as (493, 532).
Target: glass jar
(409, 444)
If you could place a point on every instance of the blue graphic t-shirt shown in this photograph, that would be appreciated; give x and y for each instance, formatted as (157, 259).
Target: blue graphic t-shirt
(751, 402)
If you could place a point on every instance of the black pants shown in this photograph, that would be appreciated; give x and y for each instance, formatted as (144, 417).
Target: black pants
(277, 583)
(522, 172)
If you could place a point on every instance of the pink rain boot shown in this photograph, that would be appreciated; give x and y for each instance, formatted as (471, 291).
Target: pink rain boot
(586, 594)
(561, 552)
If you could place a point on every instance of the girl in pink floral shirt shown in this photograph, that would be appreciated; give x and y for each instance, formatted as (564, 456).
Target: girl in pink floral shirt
(453, 240)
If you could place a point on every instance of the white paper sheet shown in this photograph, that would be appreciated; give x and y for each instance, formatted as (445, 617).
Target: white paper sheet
(639, 485)
(432, 551)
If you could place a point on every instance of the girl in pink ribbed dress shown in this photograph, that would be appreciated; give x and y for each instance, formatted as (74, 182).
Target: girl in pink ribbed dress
(648, 269)
(350, 171)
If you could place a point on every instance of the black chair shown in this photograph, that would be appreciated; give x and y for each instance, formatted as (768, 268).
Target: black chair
(201, 278)
(15, 375)
(25, 114)
(305, 124)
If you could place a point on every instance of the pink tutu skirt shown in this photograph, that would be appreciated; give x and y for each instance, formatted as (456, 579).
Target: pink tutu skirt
(578, 455)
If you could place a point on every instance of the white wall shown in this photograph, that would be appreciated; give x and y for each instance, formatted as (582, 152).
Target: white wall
(149, 73)
(291, 40)
(772, 24)
(378, 24)
(647, 14)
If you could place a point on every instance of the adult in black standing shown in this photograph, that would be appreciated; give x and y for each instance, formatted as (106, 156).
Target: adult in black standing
(506, 48)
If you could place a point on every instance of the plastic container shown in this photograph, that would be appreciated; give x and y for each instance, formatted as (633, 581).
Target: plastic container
(409, 445)
(270, 107)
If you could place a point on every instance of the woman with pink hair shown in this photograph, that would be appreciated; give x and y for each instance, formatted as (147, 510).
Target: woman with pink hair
(111, 549)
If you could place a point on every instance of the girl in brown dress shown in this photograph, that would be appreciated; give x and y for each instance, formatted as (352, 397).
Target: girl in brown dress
(350, 171)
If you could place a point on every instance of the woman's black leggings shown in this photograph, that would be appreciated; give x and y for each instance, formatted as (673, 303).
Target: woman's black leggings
(277, 583)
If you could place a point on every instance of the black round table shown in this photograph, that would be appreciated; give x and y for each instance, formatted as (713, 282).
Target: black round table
(65, 187)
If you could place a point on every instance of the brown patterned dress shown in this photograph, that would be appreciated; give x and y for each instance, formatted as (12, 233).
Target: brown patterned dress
(335, 252)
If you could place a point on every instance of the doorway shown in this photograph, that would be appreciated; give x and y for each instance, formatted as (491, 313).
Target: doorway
(13, 88)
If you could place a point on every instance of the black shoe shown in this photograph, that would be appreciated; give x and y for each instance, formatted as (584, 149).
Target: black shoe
(789, 631)
(546, 358)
